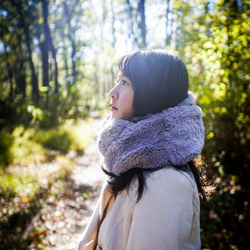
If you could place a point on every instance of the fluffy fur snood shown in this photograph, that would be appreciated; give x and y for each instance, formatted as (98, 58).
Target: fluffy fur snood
(172, 137)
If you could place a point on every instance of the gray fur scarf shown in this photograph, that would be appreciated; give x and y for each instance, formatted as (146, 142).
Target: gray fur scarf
(170, 138)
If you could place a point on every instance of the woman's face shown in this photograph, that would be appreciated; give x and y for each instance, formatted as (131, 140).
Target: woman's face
(121, 105)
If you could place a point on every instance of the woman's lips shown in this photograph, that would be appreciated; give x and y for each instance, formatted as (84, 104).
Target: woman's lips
(113, 108)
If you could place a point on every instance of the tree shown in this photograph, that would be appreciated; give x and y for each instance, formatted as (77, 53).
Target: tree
(130, 23)
(142, 23)
(168, 34)
(71, 33)
(26, 28)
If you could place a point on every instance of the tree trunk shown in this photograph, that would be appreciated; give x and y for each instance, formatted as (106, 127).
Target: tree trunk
(65, 57)
(167, 25)
(10, 73)
(71, 38)
(131, 34)
(66, 69)
(45, 51)
(21, 76)
(48, 45)
(45, 45)
(56, 68)
(45, 63)
(73, 59)
(35, 91)
(142, 23)
(113, 24)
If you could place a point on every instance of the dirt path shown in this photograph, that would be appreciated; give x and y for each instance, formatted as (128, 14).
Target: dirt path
(89, 173)
(63, 219)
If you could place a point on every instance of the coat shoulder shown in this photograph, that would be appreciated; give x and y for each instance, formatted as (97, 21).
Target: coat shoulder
(169, 178)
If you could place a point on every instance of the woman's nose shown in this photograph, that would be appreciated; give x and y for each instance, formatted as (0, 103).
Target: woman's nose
(113, 93)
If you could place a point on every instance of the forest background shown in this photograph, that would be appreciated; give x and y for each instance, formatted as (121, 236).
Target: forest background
(58, 59)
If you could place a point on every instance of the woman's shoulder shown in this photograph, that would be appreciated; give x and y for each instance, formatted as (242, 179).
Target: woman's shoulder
(170, 177)
(165, 184)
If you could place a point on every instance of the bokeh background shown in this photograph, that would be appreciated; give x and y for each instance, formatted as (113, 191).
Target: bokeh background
(58, 60)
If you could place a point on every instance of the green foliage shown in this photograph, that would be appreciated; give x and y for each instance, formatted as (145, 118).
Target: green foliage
(26, 151)
(23, 190)
(225, 220)
(81, 132)
(26, 145)
(212, 38)
(14, 224)
(35, 174)
(6, 154)
(214, 44)
(57, 139)
(217, 57)
(63, 138)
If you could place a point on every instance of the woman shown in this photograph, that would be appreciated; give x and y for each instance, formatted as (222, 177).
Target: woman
(149, 140)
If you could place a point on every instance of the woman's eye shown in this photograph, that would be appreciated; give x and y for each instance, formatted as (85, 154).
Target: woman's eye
(122, 81)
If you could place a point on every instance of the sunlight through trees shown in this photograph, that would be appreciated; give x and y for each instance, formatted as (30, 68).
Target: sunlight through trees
(58, 60)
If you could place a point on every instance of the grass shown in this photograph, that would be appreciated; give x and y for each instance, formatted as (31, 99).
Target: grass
(34, 161)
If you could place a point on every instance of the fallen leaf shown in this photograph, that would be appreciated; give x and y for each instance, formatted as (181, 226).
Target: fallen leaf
(25, 199)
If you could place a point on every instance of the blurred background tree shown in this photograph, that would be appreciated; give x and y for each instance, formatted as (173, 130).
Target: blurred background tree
(214, 42)
(58, 60)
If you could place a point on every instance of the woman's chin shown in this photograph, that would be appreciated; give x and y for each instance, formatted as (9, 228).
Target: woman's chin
(115, 115)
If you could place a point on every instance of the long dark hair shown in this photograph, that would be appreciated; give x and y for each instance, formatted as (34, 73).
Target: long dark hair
(159, 81)
(120, 182)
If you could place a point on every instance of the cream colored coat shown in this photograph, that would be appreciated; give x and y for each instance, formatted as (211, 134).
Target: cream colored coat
(166, 217)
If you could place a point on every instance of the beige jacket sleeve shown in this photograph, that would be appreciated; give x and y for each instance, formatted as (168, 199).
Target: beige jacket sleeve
(163, 217)
(90, 235)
